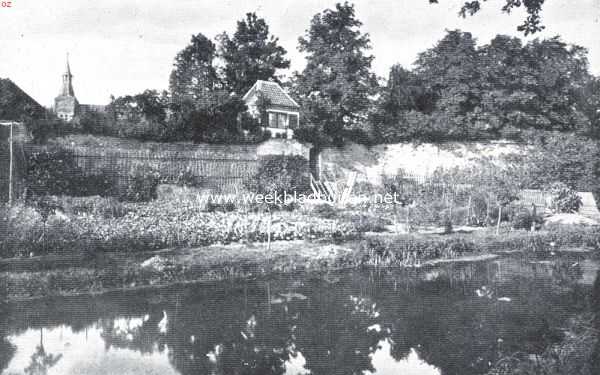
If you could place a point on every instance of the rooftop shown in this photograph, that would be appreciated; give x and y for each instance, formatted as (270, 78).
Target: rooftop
(273, 92)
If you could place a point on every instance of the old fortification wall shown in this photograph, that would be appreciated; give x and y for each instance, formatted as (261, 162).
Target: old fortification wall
(414, 159)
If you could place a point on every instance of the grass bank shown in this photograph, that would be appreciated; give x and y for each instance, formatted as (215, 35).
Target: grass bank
(99, 272)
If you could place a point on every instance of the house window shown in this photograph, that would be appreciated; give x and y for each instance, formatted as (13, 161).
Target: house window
(278, 120)
(282, 120)
(293, 121)
(272, 120)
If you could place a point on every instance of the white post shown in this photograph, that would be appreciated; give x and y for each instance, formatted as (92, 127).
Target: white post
(10, 166)
(499, 218)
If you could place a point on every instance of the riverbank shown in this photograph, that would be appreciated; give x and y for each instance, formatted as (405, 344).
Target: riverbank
(47, 276)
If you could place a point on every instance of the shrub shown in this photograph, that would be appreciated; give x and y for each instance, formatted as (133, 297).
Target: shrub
(51, 171)
(212, 206)
(141, 184)
(280, 173)
(54, 171)
(324, 210)
(523, 219)
(448, 225)
(186, 177)
(95, 205)
(367, 223)
(564, 199)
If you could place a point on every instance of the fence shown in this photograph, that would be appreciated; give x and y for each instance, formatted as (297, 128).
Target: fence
(201, 167)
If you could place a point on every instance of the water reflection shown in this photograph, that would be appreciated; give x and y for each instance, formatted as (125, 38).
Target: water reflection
(69, 352)
(455, 319)
(385, 364)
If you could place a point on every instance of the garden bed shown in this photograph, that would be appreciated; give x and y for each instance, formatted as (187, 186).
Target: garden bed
(109, 271)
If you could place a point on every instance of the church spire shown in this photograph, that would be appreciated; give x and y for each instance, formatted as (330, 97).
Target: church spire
(67, 84)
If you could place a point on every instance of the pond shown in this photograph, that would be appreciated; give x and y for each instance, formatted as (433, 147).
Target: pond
(456, 318)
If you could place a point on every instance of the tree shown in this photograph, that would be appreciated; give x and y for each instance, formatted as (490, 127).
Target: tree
(217, 123)
(251, 54)
(532, 23)
(41, 362)
(336, 85)
(142, 116)
(449, 71)
(194, 78)
(504, 89)
(589, 100)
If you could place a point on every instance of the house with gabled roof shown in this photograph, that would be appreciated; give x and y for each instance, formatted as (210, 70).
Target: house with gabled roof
(16, 104)
(276, 111)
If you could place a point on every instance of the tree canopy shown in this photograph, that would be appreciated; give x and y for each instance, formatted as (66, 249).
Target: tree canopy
(337, 82)
(194, 78)
(251, 54)
(532, 24)
(503, 89)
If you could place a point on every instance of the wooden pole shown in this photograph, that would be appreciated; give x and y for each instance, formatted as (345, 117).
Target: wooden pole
(269, 230)
(499, 218)
(407, 218)
(468, 212)
(10, 166)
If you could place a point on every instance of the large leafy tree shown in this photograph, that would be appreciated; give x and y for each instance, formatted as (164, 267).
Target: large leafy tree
(251, 54)
(142, 116)
(531, 24)
(404, 93)
(500, 90)
(202, 109)
(535, 86)
(337, 82)
(590, 102)
(450, 72)
(194, 77)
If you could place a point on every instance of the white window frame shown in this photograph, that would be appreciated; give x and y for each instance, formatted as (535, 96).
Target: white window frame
(287, 118)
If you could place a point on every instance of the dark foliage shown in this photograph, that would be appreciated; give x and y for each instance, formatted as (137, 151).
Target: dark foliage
(532, 23)
(461, 91)
(525, 219)
(54, 171)
(141, 185)
(251, 54)
(336, 85)
(279, 174)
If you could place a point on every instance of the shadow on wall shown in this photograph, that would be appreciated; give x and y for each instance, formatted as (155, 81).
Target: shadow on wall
(414, 159)
(283, 147)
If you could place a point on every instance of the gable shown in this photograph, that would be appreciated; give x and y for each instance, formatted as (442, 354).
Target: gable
(16, 105)
(273, 93)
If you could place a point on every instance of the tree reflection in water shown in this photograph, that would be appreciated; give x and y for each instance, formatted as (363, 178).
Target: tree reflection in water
(41, 361)
(7, 350)
(342, 326)
(595, 360)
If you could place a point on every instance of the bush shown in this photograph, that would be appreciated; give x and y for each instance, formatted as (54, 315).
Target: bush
(54, 171)
(279, 174)
(367, 223)
(448, 225)
(141, 184)
(324, 210)
(523, 219)
(95, 205)
(564, 199)
(217, 206)
(185, 177)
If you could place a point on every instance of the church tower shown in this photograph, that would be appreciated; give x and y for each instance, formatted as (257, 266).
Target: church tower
(65, 104)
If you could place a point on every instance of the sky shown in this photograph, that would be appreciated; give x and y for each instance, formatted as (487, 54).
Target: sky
(122, 47)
